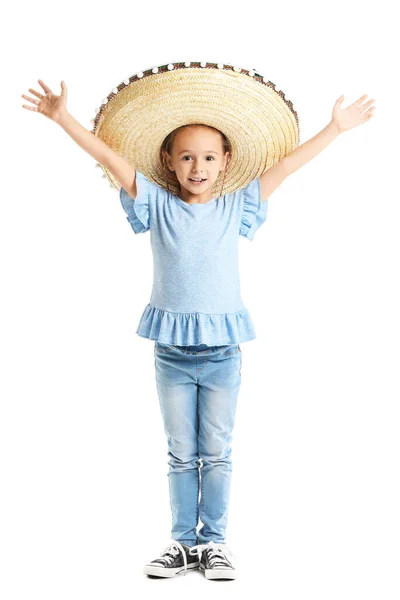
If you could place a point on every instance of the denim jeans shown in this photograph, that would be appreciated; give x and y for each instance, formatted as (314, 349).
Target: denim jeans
(198, 388)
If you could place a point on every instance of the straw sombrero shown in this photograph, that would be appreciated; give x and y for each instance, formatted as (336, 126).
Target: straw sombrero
(140, 112)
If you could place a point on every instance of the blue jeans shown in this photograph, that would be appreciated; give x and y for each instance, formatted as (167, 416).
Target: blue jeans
(198, 388)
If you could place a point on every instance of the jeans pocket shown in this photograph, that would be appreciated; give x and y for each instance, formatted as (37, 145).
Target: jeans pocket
(163, 348)
(235, 349)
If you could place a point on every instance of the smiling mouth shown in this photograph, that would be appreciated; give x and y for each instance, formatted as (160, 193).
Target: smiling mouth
(197, 180)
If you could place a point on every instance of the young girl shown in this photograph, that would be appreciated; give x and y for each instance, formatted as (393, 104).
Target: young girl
(196, 316)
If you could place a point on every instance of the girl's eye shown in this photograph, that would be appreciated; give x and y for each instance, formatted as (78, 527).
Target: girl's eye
(187, 156)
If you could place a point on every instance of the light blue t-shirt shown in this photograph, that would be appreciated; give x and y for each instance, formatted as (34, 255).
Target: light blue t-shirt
(196, 289)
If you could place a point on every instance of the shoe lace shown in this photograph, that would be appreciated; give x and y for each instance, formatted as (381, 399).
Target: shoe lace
(171, 551)
(217, 553)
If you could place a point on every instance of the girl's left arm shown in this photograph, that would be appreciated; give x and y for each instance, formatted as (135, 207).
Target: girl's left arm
(342, 120)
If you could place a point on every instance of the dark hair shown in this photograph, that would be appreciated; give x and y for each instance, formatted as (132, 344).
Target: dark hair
(168, 143)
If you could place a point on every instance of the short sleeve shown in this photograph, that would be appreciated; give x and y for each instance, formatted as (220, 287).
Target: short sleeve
(138, 209)
(254, 211)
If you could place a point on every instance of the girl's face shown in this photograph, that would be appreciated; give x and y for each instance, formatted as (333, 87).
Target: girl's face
(197, 153)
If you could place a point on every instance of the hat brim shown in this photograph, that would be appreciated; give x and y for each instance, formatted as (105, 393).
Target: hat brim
(258, 120)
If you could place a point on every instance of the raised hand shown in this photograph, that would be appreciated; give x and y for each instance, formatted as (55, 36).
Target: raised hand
(353, 115)
(49, 104)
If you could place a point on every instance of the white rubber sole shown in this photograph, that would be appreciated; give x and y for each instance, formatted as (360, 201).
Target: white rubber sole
(168, 572)
(218, 573)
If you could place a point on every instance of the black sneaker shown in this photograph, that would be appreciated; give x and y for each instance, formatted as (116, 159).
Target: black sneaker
(173, 561)
(216, 561)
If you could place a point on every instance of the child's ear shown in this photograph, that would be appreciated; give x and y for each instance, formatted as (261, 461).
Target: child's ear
(167, 160)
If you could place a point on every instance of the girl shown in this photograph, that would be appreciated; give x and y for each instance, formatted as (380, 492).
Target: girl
(196, 316)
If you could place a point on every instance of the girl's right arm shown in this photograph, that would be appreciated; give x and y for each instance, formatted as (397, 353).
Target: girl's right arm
(120, 169)
(54, 107)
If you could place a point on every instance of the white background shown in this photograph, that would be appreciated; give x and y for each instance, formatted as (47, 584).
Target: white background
(315, 484)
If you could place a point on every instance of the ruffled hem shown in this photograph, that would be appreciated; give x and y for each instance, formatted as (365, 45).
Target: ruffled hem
(137, 209)
(254, 210)
(190, 329)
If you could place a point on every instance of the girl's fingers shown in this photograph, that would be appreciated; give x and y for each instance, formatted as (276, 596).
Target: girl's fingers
(36, 93)
(30, 99)
(359, 101)
(364, 106)
(369, 114)
(44, 86)
(30, 107)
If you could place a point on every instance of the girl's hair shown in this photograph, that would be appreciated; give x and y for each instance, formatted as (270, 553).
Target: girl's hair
(168, 143)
